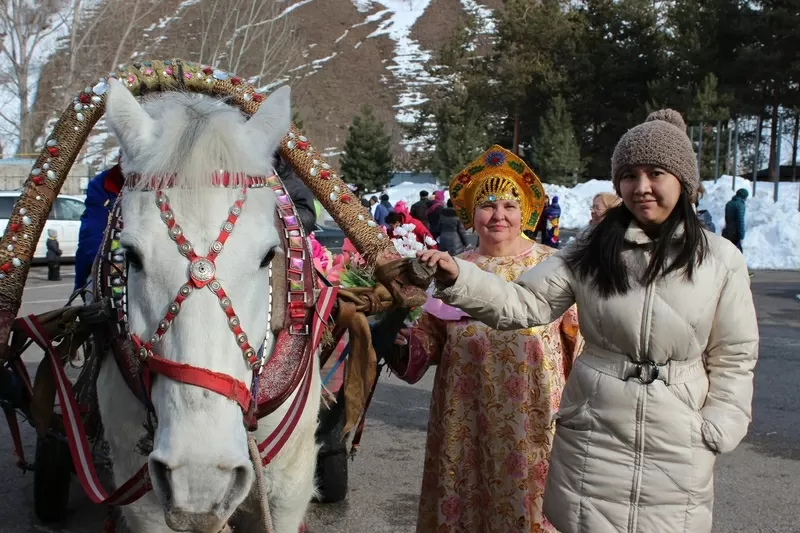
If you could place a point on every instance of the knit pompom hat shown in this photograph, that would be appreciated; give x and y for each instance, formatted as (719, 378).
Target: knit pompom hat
(660, 141)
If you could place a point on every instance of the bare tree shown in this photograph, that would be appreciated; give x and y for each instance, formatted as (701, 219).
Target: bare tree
(81, 45)
(134, 13)
(250, 37)
(28, 35)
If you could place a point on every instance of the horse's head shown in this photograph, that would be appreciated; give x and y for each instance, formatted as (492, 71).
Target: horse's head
(181, 143)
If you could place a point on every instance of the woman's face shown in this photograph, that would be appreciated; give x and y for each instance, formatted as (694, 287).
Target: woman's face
(598, 211)
(650, 193)
(497, 222)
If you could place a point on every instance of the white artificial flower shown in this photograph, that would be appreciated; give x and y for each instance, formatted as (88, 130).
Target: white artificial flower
(429, 241)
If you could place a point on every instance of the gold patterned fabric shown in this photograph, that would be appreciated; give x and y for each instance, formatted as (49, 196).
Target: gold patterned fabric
(490, 430)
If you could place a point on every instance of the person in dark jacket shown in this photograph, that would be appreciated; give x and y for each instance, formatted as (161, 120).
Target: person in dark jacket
(419, 210)
(452, 235)
(734, 218)
(302, 197)
(53, 256)
(382, 209)
(552, 216)
(434, 211)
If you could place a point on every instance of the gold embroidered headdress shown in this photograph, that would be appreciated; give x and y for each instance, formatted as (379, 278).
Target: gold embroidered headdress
(497, 175)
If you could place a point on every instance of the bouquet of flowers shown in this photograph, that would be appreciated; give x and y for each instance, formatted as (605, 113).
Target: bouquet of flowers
(406, 242)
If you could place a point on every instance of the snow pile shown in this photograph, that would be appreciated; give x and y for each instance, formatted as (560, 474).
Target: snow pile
(772, 240)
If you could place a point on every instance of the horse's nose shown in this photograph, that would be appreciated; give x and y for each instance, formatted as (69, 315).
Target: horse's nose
(192, 489)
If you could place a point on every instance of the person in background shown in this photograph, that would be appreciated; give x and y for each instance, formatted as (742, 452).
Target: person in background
(541, 225)
(452, 235)
(301, 195)
(734, 218)
(101, 194)
(382, 209)
(396, 219)
(495, 392)
(703, 214)
(53, 256)
(402, 207)
(434, 212)
(419, 209)
(552, 216)
(373, 205)
(665, 381)
(601, 203)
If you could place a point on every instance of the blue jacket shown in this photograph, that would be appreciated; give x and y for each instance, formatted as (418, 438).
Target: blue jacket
(380, 214)
(734, 214)
(100, 197)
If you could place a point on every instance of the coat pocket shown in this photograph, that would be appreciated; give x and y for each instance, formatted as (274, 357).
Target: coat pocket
(574, 416)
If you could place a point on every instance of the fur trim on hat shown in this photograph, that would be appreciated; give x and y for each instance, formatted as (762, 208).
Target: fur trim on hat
(660, 141)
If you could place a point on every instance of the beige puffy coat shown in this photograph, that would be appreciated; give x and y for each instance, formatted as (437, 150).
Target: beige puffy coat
(629, 456)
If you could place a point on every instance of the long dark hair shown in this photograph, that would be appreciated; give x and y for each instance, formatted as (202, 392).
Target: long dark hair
(597, 256)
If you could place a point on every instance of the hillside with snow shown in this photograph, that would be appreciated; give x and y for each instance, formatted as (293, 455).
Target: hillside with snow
(336, 54)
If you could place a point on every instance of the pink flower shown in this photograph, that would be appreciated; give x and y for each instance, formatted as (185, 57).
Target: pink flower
(483, 423)
(540, 472)
(534, 351)
(451, 508)
(515, 387)
(465, 387)
(514, 464)
(478, 349)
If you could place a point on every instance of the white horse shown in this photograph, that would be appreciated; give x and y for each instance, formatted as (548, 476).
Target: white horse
(199, 465)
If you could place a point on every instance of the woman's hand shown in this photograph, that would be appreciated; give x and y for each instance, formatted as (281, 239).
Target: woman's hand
(446, 267)
(402, 337)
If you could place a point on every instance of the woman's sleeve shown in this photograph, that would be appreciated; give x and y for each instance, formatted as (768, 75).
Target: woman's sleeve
(571, 338)
(425, 345)
(538, 297)
(732, 352)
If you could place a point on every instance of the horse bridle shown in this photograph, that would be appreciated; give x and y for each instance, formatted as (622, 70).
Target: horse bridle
(202, 273)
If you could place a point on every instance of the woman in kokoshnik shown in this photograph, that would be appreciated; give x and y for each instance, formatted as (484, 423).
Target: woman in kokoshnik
(495, 392)
(665, 380)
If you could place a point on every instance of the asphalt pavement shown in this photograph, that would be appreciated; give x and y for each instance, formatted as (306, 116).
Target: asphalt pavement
(757, 486)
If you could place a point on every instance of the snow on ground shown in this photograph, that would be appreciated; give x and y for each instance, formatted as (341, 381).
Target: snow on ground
(772, 239)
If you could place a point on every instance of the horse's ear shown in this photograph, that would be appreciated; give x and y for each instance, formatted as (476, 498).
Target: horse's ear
(274, 116)
(128, 120)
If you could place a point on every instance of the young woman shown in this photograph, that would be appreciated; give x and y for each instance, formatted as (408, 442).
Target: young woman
(665, 382)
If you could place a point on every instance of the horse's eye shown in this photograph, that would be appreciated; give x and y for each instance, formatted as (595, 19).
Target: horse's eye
(133, 258)
(267, 258)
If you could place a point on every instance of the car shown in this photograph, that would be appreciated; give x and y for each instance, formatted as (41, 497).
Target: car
(330, 236)
(65, 218)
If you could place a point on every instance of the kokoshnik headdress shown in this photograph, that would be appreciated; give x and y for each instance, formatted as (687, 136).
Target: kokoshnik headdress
(497, 175)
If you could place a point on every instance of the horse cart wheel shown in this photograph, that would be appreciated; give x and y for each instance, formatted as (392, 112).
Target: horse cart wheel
(51, 479)
(332, 457)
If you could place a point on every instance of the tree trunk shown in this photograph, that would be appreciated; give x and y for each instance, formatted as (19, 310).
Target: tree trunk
(515, 142)
(774, 165)
(794, 145)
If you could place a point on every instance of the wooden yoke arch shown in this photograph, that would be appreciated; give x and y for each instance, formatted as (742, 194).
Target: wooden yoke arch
(30, 212)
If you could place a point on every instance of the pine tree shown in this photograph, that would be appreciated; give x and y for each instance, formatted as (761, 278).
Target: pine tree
(453, 120)
(555, 151)
(367, 159)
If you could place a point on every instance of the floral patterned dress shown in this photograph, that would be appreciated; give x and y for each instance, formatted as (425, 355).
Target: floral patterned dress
(490, 430)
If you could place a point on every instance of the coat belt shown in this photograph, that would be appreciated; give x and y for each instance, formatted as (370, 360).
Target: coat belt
(622, 367)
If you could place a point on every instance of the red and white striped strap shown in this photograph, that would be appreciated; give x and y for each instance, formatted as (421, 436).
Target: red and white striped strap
(273, 444)
(135, 487)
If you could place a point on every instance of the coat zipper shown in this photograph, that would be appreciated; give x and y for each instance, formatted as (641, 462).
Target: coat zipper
(641, 409)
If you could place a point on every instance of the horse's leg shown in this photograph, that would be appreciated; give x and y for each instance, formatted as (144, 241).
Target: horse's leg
(290, 476)
(123, 415)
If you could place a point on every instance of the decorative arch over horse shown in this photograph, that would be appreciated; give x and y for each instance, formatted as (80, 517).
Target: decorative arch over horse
(202, 241)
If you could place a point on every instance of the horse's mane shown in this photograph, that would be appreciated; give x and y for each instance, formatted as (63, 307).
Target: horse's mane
(199, 135)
